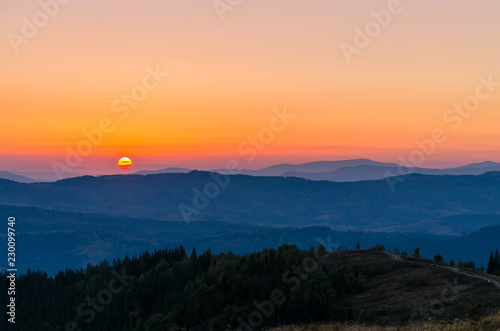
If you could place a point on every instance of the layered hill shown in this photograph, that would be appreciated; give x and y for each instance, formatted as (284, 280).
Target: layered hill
(376, 172)
(413, 203)
(53, 241)
(15, 177)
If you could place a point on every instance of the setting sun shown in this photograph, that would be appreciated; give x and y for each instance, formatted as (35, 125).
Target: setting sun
(125, 163)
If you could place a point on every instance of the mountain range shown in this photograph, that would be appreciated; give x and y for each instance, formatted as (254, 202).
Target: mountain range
(336, 171)
(76, 221)
(347, 170)
(415, 203)
(15, 177)
(375, 172)
(35, 176)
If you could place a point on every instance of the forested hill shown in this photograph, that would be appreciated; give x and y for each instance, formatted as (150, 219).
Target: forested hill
(171, 290)
(53, 241)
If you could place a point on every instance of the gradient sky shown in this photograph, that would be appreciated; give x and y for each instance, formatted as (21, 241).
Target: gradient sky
(226, 77)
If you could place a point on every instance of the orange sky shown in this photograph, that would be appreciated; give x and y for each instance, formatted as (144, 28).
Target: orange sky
(226, 77)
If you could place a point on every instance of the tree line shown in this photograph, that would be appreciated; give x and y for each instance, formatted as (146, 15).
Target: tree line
(173, 290)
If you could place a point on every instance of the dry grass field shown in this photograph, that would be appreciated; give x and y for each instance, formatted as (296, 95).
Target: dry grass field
(484, 324)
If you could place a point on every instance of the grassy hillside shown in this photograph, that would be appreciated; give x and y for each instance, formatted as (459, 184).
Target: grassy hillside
(415, 290)
(488, 323)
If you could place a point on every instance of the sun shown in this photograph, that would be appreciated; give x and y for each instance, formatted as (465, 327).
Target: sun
(125, 163)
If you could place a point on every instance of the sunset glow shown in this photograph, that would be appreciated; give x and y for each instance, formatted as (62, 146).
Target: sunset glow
(179, 87)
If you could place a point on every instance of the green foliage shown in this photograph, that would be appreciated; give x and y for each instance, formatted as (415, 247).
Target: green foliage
(416, 251)
(466, 265)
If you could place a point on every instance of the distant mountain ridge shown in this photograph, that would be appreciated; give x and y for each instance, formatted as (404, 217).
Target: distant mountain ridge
(15, 177)
(35, 176)
(485, 164)
(346, 170)
(369, 172)
(163, 171)
(337, 171)
(315, 167)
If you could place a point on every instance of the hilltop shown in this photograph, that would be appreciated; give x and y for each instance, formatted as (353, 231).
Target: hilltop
(417, 290)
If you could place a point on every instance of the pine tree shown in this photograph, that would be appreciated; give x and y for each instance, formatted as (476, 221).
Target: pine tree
(497, 262)
(491, 264)
(438, 258)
